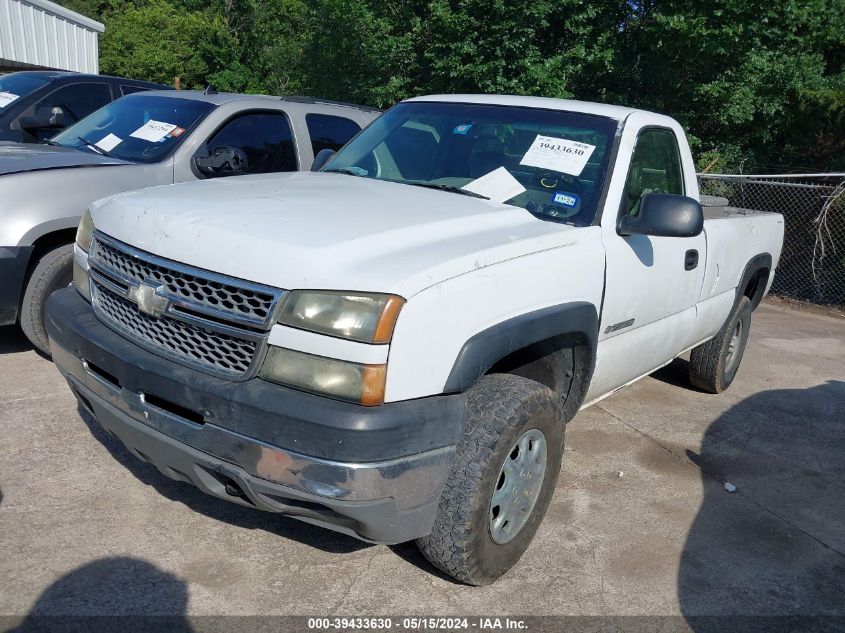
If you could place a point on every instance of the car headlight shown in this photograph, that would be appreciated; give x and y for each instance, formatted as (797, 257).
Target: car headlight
(353, 382)
(81, 280)
(364, 317)
(85, 232)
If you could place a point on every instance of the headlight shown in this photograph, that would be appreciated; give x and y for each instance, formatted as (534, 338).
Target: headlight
(81, 281)
(364, 317)
(353, 382)
(85, 232)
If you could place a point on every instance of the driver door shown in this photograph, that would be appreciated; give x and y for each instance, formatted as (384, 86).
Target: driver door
(652, 283)
(263, 137)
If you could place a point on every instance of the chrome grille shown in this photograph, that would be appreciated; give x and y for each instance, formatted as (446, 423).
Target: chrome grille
(242, 301)
(229, 355)
(187, 314)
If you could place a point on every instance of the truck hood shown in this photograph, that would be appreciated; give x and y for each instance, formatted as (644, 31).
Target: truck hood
(326, 231)
(19, 157)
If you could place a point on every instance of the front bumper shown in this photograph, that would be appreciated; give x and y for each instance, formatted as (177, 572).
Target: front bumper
(228, 440)
(13, 264)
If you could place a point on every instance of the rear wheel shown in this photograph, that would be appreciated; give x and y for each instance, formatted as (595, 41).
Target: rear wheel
(53, 271)
(713, 365)
(502, 480)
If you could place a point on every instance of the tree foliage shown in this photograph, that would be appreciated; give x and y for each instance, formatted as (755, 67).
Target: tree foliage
(758, 84)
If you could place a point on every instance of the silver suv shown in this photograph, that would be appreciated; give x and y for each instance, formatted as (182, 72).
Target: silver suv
(142, 140)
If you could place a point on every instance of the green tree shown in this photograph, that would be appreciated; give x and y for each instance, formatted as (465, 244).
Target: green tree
(159, 40)
(756, 83)
(753, 80)
(535, 47)
(356, 52)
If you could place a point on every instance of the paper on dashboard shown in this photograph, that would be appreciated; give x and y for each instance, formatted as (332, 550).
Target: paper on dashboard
(558, 154)
(6, 98)
(108, 142)
(153, 131)
(498, 185)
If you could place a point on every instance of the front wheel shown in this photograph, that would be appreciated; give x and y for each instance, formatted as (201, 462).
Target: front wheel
(501, 482)
(53, 271)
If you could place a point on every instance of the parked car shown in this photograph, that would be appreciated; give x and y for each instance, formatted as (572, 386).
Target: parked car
(392, 347)
(38, 104)
(142, 140)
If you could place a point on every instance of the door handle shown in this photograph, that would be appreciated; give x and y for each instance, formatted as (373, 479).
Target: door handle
(691, 259)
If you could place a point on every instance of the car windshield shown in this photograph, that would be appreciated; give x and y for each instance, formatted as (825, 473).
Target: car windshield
(17, 85)
(139, 128)
(550, 162)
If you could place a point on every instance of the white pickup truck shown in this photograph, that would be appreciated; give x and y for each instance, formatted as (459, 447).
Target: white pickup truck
(393, 346)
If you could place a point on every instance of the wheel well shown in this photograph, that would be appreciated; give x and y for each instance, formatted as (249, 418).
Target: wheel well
(48, 242)
(562, 363)
(45, 244)
(756, 286)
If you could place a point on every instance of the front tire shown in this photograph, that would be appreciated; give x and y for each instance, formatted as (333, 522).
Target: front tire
(501, 482)
(53, 271)
(713, 365)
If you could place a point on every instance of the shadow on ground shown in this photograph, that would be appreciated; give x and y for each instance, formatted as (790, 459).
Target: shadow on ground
(675, 374)
(776, 546)
(13, 341)
(136, 595)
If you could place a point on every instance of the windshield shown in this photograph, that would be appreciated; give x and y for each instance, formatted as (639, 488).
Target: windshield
(551, 163)
(17, 85)
(138, 128)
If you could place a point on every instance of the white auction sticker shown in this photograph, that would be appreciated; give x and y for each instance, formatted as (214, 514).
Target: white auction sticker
(153, 131)
(109, 142)
(6, 98)
(558, 154)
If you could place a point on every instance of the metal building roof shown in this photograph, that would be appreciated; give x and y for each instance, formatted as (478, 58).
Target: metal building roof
(42, 34)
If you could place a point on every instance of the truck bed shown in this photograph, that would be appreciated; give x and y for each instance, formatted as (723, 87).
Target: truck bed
(717, 207)
(731, 244)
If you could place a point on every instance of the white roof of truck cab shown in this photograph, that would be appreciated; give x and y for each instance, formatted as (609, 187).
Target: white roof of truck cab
(620, 113)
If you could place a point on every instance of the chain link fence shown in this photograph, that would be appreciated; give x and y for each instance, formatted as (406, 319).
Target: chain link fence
(812, 265)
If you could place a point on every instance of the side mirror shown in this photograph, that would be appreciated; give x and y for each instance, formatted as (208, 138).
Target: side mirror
(322, 157)
(47, 117)
(223, 161)
(664, 215)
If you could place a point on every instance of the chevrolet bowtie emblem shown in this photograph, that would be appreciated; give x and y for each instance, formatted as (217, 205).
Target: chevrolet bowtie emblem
(148, 301)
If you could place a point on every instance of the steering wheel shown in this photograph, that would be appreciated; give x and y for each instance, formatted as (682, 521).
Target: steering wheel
(150, 150)
(555, 180)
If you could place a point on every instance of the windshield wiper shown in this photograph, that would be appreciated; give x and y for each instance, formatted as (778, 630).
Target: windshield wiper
(50, 142)
(449, 188)
(343, 170)
(99, 150)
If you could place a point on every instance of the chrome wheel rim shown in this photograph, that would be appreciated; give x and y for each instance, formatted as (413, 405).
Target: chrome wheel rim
(733, 346)
(518, 486)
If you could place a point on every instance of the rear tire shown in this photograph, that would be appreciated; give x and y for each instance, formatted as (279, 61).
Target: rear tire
(492, 479)
(713, 365)
(53, 271)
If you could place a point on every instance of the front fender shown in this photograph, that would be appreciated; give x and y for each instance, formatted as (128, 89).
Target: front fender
(40, 202)
(454, 331)
(488, 347)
